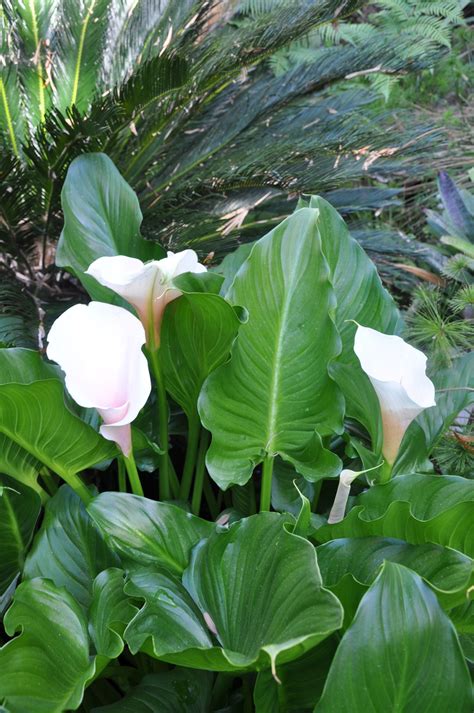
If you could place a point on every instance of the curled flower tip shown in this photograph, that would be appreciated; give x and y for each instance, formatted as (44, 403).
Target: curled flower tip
(148, 287)
(397, 371)
(99, 348)
(346, 478)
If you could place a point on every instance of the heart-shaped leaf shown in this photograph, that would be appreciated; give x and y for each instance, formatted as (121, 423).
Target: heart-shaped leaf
(34, 416)
(415, 508)
(196, 335)
(449, 572)
(454, 392)
(45, 668)
(255, 626)
(110, 612)
(275, 391)
(69, 549)
(401, 653)
(177, 691)
(148, 532)
(360, 297)
(19, 510)
(102, 217)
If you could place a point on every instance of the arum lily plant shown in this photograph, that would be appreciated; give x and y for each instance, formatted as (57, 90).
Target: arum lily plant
(281, 381)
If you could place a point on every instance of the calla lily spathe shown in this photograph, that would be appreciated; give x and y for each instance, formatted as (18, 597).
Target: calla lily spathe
(99, 348)
(397, 372)
(146, 286)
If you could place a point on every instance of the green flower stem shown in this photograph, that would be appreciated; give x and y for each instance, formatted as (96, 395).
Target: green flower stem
(266, 489)
(200, 472)
(194, 427)
(317, 492)
(122, 483)
(385, 472)
(133, 476)
(163, 423)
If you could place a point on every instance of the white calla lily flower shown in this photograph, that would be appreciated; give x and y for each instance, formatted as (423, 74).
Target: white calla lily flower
(99, 348)
(146, 286)
(397, 372)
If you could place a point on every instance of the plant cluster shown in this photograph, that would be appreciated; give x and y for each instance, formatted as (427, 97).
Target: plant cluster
(300, 553)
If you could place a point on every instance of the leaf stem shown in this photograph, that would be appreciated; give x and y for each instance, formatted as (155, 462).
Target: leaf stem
(266, 488)
(79, 487)
(194, 427)
(133, 476)
(163, 422)
(122, 483)
(211, 499)
(200, 471)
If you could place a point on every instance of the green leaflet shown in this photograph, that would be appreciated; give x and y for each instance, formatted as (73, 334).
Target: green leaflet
(389, 659)
(415, 508)
(275, 391)
(45, 668)
(102, 217)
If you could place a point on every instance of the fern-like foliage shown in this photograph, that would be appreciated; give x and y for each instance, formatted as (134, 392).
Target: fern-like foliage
(183, 98)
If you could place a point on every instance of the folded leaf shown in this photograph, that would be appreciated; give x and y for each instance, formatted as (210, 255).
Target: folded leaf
(110, 612)
(45, 668)
(401, 653)
(102, 217)
(415, 508)
(69, 549)
(449, 573)
(148, 532)
(33, 415)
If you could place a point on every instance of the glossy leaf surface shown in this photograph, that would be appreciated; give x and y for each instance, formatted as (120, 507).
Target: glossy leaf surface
(401, 653)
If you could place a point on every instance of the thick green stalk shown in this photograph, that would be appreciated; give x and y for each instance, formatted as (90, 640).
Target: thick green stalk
(133, 476)
(266, 488)
(194, 426)
(163, 423)
(78, 486)
(200, 472)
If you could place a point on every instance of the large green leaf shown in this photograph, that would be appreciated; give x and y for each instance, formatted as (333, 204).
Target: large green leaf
(449, 572)
(69, 549)
(229, 618)
(177, 691)
(361, 297)
(110, 612)
(102, 217)
(196, 336)
(400, 654)
(34, 416)
(454, 392)
(148, 532)
(275, 391)
(45, 668)
(19, 510)
(415, 508)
